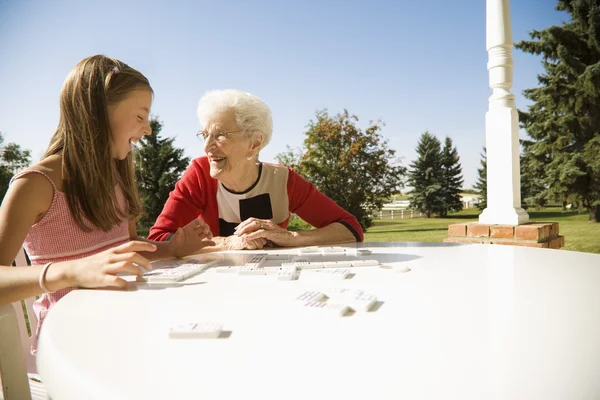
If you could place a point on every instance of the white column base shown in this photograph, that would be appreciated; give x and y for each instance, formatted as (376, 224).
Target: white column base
(511, 216)
(503, 169)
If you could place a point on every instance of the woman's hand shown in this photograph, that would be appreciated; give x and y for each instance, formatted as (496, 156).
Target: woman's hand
(254, 229)
(190, 239)
(100, 270)
(243, 243)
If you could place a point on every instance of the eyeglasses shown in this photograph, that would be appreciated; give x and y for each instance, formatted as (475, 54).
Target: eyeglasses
(218, 136)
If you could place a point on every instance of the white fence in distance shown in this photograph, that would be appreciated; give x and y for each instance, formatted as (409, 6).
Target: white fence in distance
(399, 213)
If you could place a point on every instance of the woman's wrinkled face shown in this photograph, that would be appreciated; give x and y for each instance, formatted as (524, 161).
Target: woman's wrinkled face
(226, 146)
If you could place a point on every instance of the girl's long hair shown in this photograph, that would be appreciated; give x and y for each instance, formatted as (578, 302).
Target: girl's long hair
(83, 139)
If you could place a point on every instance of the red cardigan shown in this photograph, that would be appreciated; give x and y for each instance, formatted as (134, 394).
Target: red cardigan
(195, 195)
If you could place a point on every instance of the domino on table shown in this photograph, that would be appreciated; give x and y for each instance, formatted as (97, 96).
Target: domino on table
(254, 265)
(287, 275)
(283, 268)
(309, 250)
(337, 264)
(252, 271)
(327, 264)
(257, 260)
(356, 299)
(358, 252)
(363, 302)
(338, 273)
(283, 273)
(364, 263)
(227, 270)
(326, 307)
(308, 265)
(331, 249)
(311, 295)
(181, 270)
(196, 330)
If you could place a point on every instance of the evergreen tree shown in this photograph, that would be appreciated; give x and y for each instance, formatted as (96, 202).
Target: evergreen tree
(452, 180)
(355, 168)
(564, 120)
(533, 190)
(12, 160)
(481, 184)
(158, 167)
(426, 177)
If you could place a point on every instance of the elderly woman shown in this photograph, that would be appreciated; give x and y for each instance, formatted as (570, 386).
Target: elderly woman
(247, 203)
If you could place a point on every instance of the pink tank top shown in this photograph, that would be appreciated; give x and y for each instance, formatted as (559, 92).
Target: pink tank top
(57, 237)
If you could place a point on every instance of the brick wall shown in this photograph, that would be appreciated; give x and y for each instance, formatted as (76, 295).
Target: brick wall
(540, 234)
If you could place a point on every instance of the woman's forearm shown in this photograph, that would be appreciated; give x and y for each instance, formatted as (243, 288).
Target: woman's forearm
(334, 233)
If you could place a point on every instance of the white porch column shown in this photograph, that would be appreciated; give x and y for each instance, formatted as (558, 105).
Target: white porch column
(501, 124)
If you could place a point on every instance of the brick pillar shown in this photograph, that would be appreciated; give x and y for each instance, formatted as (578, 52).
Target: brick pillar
(540, 234)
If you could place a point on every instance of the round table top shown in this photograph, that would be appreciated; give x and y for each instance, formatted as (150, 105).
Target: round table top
(466, 322)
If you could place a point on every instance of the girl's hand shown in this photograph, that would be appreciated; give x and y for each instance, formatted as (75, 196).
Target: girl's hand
(191, 238)
(100, 270)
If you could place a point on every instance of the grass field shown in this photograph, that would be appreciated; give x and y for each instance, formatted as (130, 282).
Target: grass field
(579, 233)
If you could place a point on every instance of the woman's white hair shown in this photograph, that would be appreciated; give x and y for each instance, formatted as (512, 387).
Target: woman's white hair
(251, 113)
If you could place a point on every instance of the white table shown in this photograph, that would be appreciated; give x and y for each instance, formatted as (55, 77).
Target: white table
(467, 322)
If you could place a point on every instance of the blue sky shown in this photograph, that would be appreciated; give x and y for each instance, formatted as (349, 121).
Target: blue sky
(416, 65)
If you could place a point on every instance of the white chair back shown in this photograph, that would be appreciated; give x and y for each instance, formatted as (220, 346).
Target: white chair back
(24, 310)
(13, 372)
(17, 364)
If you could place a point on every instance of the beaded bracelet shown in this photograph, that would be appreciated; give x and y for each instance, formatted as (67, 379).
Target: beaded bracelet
(43, 277)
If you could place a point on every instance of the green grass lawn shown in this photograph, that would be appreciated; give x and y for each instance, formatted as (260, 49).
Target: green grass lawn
(579, 233)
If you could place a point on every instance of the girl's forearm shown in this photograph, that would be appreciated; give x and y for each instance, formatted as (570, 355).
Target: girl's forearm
(18, 283)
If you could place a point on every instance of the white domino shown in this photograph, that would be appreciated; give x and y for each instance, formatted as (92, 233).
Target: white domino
(227, 270)
(364, 263)
(310, 265)
(277, 270)
(257, 260)
(287, 275)
(277, 257)
(337, 264)
(340, 293)
(330, 249)
(356, 299)
(177, 271)
(309, 250)
(343, 264)
(326, 307)
(196, 330)
(272, 270)
(358, 252)
(311, 296)
(338, 273)
(252, 271)
(362, 302)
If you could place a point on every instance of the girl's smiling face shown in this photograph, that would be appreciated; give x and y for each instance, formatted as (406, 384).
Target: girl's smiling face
(129, 121)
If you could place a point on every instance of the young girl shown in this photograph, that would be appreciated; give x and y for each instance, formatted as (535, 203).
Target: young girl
(80, 202)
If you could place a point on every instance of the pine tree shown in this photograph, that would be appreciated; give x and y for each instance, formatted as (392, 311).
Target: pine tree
(425, 177)
(533, 190)
(564, 120)
(481, 184)
(452, 180)
(12, 160)
(355, 168)
(158, 167)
